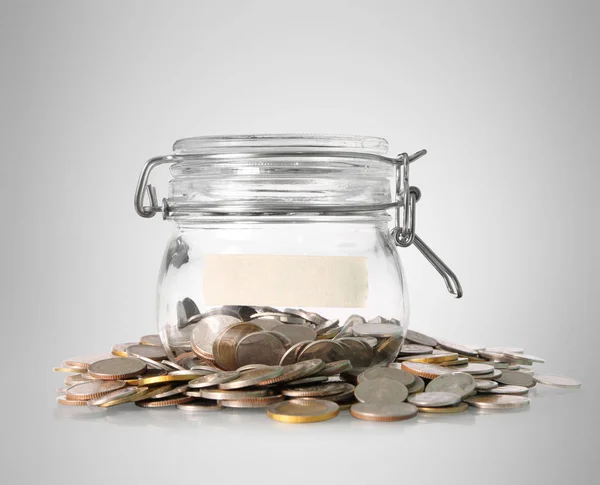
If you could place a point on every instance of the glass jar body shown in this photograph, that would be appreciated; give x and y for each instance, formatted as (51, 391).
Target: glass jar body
(276, 273)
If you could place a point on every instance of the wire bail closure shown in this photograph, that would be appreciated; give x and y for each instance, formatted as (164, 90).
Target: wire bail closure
(406, 198)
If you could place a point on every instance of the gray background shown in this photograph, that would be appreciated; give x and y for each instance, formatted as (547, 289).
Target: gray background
(504, 95)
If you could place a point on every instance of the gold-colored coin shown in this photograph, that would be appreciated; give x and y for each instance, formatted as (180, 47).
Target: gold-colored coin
(75, 370)
(303, 411)
(70, 402)
(459, 361)
(456, 408)
(120, 350)
(162, 403)
(148, 381)
(142, 393)
(436, 357)
(153, 340)
(258, 402)
(428, 371)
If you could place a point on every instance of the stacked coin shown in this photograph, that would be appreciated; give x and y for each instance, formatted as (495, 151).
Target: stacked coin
(244, 358)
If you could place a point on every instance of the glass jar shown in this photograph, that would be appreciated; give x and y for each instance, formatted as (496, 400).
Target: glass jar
(282, 250)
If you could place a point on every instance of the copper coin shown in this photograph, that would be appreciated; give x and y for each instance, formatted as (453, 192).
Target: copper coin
(85, 361)
(70, 402)
(428, 371)
(161, 403)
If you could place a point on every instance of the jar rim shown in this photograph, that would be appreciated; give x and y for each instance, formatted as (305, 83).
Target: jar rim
(287, 142)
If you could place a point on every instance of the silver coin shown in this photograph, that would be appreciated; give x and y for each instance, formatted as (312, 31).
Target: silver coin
(515, 378)
(326, 326)
(414, 349)
(152, 363)
(434, 399)
(359, 352)
(493, 375)
(507, 390)
(307, 380)
(394, 374)
(525, 370)
(171, 392)
(223, 394)
(199, 406)
(259, 348)
(296, 333)
(245, 368)
(266, 323)
(556, 381)
(252, 377)
(485, 384)
(383, 412)
(148, 351)
(497, 401)
(417, 386)
(215, 379)
(116, 368)
(502, 350)
(291, 354)
(524, 357)
(172, 365)
(206, 331)
(334, 368)
(476, 368)
(381, 391)
(326, 350)
(458, 348)
(421, 339)
(111, 396)
(379, 330)
(458, 383)
(204, 368)
(317, 390)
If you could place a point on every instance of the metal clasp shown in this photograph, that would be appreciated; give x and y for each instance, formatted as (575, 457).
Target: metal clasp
(404, 233)
(144, 187)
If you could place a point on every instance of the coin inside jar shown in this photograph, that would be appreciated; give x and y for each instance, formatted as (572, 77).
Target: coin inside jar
(326, 350)
(259, 348)
(206, 331)
(359, 352)
(295, 333)
(226, 342)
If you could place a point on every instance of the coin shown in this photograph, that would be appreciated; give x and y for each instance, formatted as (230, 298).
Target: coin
(334, 368)
(507, 390)
(326, 326)
(457, 362)
(259, 348)
(224, 394)
(148, 351)
(428, 371)
(381, 390)
(161, 379)
(435, 357)
(485, 385)
(516, 378)
(359, 352)
(248, 367)
(456, 382)
(421, 339)
(151, 340)
(290, 373)
(351, 375)
(70, 402)
(118, 394)
(475, 368)
(458, 348)
(455, 408)
(383, 412)
(226, 342)
(497, 401)
(414, 349)
(346, 395)
(295, 333)
(307, 380)
(257, 402)
(161, 403)
(399, 375)
(152, 364)
(265, 323)
(291, 354)
(378, 330)
(214, 379)
(417, 386)
(525, 370)
(523, 357)
(326, 350)
(92, 389)
(206, 331)
(502, 350)
(434, 399)
(85, 360)
(149, 373)
(121, 349)
(199, 405)
(174, 391)
(117, 368)
(316, 390)
(303, 411)
(556, 381)
(77, 379)
(495, 374)
(253, 377)
(70, 369)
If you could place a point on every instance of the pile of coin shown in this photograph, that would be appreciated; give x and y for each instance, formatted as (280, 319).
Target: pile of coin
(308, 382)
(234, 336)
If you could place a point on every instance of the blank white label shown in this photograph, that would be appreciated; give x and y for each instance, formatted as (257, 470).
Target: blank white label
(286, 281)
